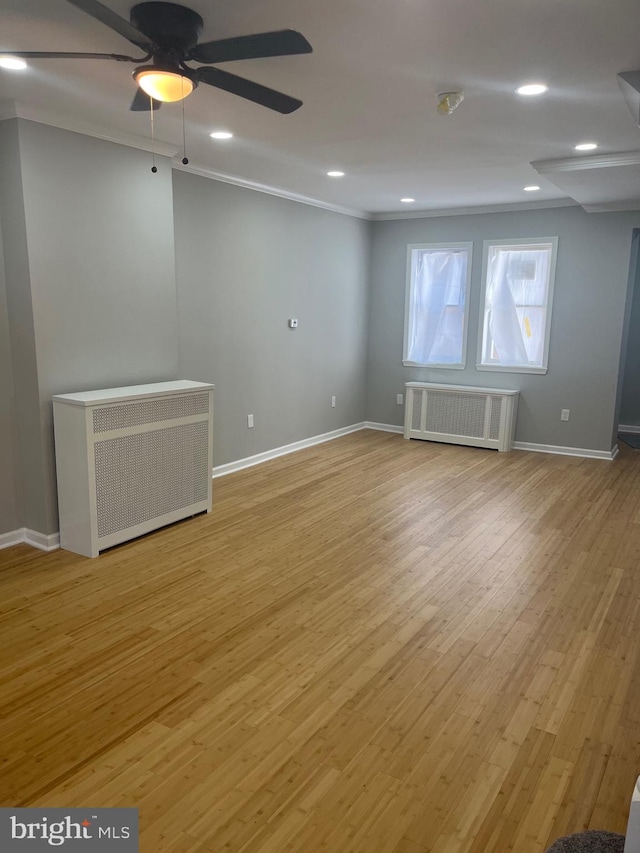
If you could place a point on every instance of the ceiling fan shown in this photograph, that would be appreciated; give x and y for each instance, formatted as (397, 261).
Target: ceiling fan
(168, 34)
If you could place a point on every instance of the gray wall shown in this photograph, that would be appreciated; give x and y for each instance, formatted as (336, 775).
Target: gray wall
(9, 509)
(586, 330)
(29, 459)
(98, 280)
(246, 262)
(630, 394)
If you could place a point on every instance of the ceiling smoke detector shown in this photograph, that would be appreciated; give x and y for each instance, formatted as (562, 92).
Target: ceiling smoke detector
(449, 101)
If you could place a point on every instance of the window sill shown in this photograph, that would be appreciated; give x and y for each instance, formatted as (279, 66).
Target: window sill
(504, 368)
(432, 364)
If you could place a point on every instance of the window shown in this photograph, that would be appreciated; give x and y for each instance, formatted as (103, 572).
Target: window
(435, 326)
(518, 278)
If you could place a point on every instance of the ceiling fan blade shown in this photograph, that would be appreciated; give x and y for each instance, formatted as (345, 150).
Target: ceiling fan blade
(38, 54)
(247, 89)
(142, 102)
(106, 16)
(278, 43)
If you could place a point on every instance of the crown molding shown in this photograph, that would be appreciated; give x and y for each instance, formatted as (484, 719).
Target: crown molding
(15, 109)
(613, 206)
(205, 172)
(578, 164)
(469, 211)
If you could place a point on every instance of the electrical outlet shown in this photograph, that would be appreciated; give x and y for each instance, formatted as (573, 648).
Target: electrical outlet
(564, 414)
(399, 399)
(333, 402)
(250, 421)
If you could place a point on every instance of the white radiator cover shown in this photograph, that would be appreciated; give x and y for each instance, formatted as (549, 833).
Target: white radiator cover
(458, 414)
(130, 460)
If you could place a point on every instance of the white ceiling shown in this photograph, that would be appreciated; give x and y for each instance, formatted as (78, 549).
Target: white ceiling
(369, 90)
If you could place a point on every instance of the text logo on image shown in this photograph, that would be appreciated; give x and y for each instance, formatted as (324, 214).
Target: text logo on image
(35, 830)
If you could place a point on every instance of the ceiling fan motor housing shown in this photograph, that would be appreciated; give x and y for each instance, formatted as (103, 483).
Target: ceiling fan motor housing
(175, 29)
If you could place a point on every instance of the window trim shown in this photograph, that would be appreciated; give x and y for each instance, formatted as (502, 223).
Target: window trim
(525, 243)
(411, 247)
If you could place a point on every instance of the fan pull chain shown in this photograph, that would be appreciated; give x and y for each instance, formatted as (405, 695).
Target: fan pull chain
(185, 159)
(154, 168)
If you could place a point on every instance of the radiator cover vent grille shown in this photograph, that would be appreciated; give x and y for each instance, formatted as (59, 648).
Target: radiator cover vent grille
(460, 414)
(416, 414)
(496, 414)
(149, 412)
(140, 477)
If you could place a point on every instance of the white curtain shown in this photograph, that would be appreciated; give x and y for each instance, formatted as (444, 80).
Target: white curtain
(504, 323)
(436, 308)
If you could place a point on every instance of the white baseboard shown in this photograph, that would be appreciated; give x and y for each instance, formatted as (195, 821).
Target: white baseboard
(25, 536)
(383, 427)
(42, 541)
(535, 448)
(259, 458)
(249, 461)
(523, 445)
(632, 428)
(13, 537)
(566, 451)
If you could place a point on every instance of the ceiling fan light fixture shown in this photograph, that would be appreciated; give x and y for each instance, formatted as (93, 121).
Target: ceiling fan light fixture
(167, 86)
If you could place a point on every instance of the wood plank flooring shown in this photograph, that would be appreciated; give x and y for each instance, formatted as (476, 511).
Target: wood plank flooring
(370, 646)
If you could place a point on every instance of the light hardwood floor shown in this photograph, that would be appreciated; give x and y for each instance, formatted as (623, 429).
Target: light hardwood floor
(370, 645)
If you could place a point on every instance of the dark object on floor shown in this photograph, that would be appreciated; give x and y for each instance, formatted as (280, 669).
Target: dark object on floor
(592, 841)
(630, 438)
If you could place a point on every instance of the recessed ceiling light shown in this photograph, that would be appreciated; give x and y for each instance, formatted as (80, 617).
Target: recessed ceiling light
(586, 146)
(221, 134)
(12, 63)
(407, 200)
(532, 89)
(532, 189)
(335, 174)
